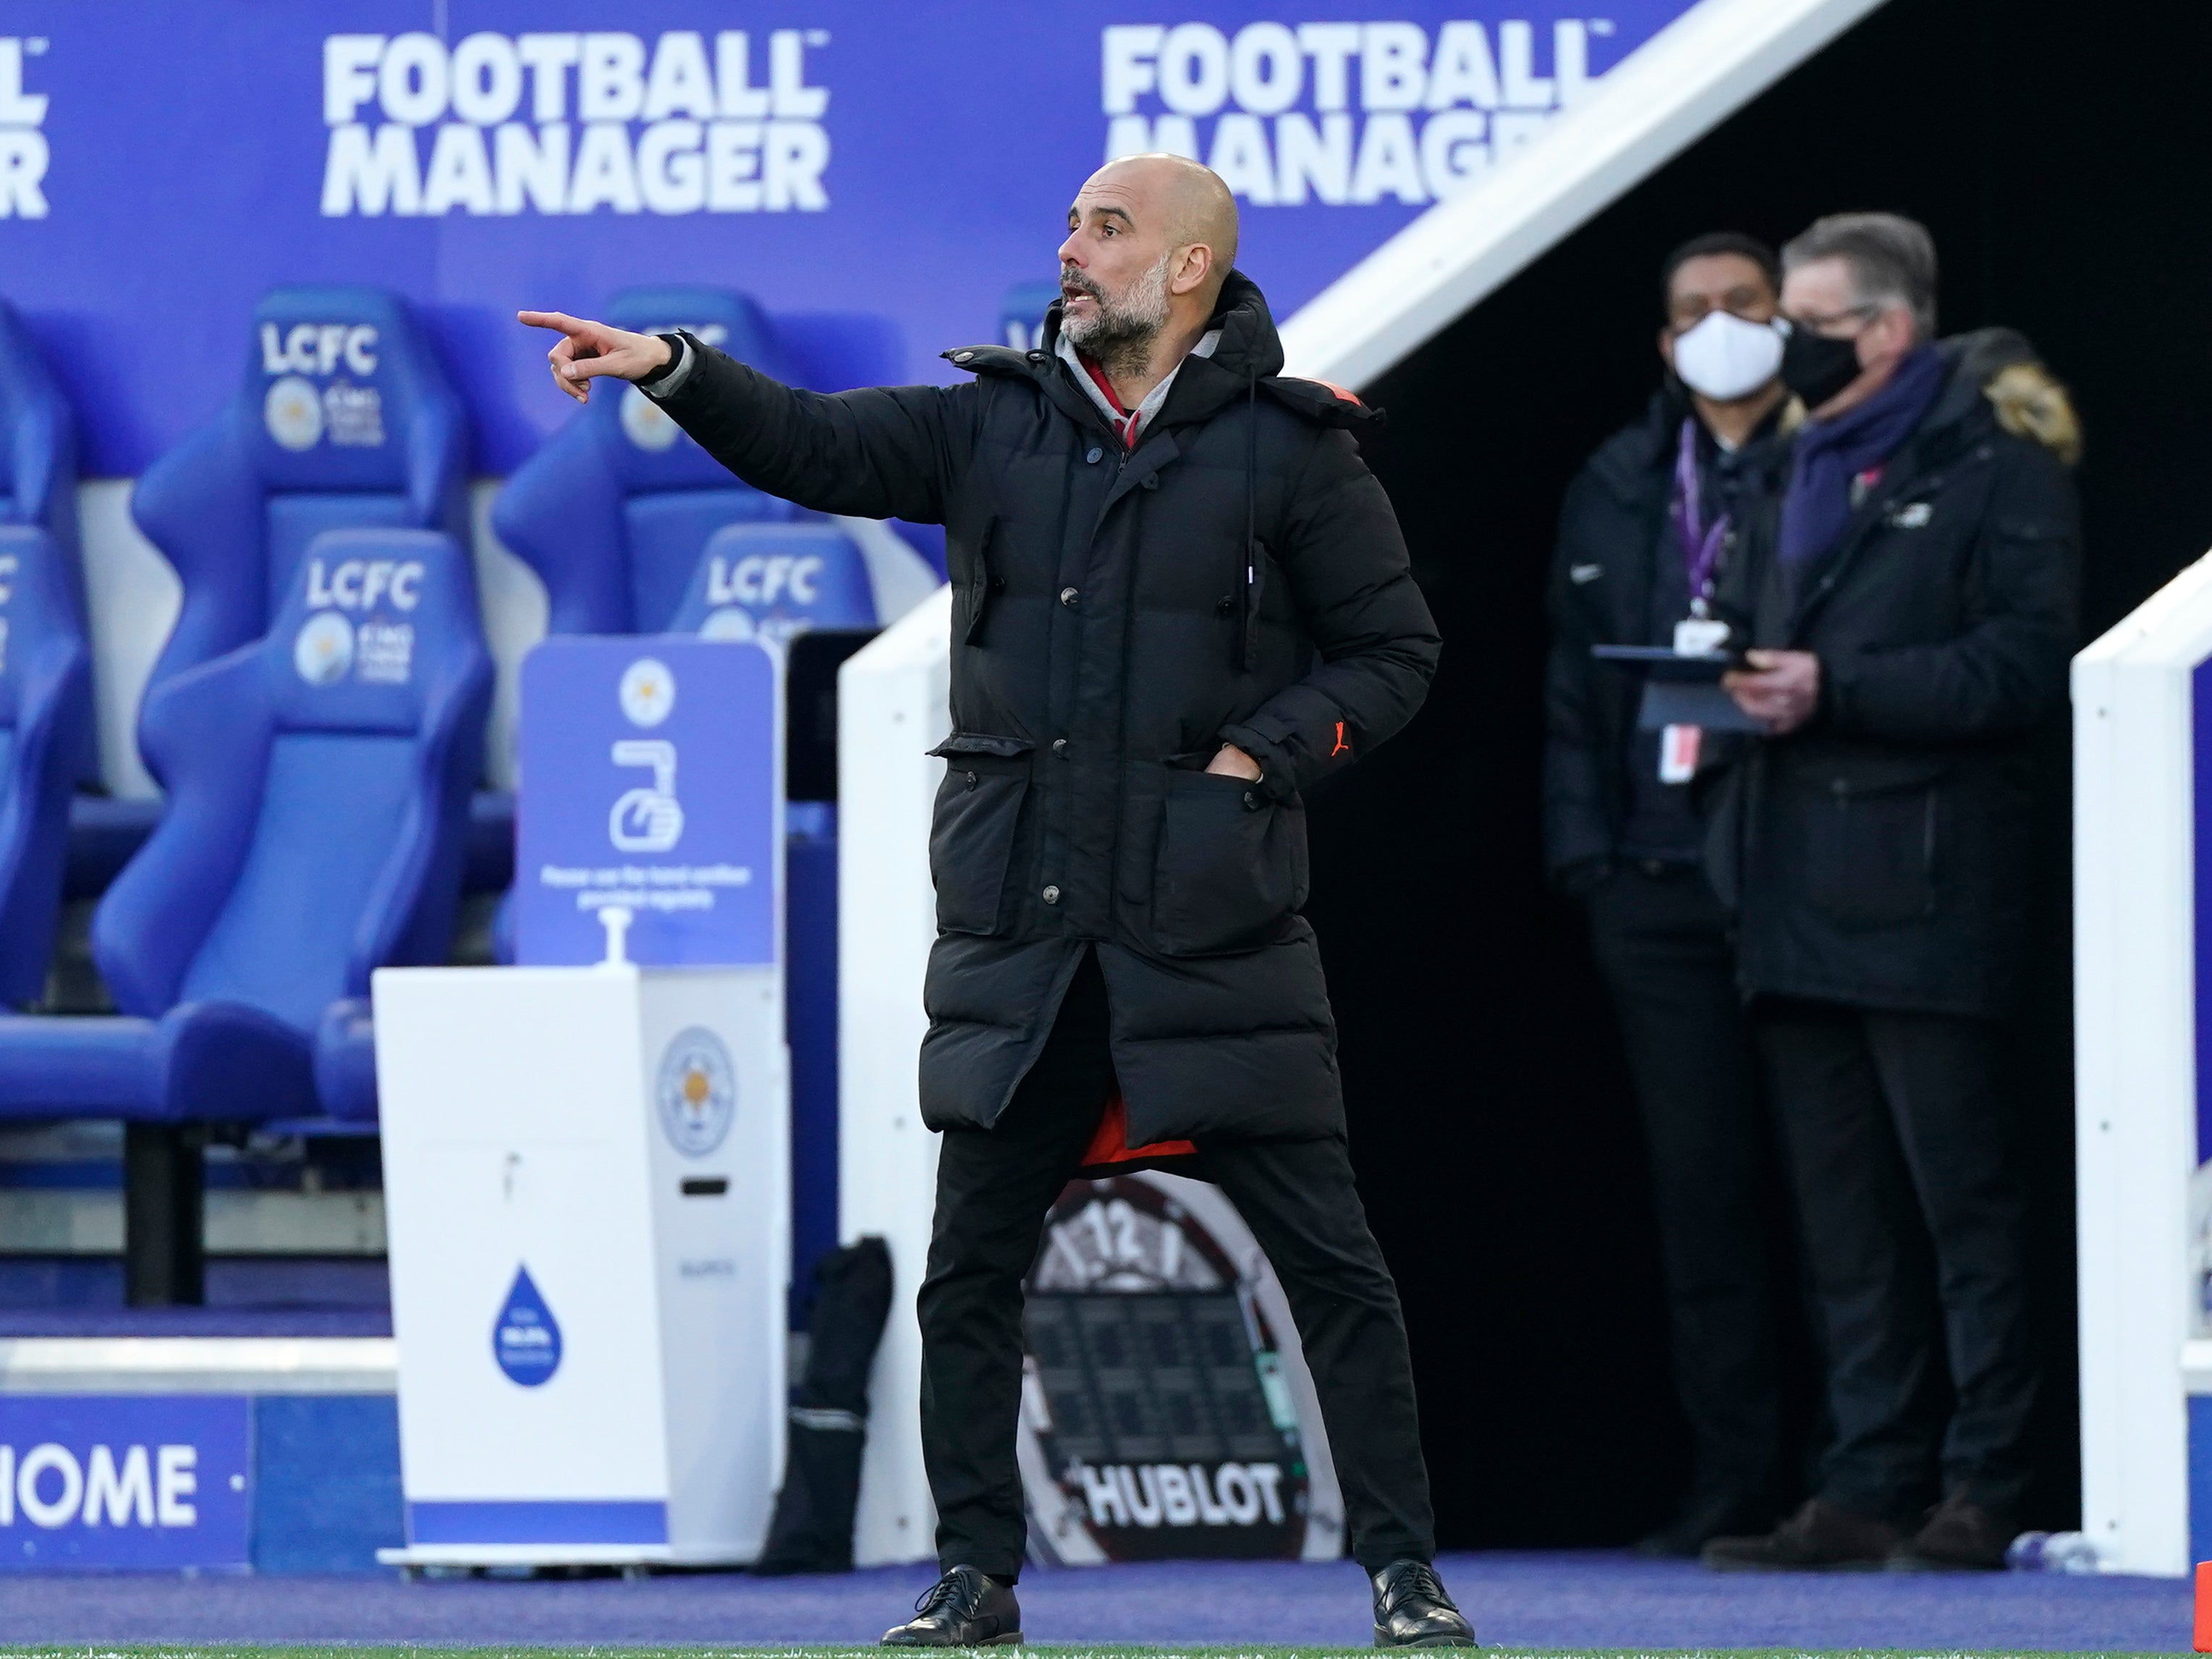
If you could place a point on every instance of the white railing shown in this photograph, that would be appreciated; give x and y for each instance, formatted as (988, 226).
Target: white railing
(2140, 1214)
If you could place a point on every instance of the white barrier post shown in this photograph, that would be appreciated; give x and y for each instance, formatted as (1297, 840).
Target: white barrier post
(2142, 698)
(892, 707)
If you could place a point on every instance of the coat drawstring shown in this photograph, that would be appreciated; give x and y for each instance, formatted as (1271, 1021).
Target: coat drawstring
(1248, 618)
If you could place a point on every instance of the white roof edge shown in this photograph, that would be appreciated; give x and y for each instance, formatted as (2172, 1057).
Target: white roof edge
(2166, 626)
(1661, 98)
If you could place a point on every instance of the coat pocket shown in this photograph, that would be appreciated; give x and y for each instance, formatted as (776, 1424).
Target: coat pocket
(971, 837)
(1871, 843)
(1231, 865)
(984, 585)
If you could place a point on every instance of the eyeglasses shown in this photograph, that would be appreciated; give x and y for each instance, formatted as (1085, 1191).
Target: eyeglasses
(1822, 325)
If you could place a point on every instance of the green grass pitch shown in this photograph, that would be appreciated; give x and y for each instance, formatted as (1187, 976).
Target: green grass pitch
(1046, 1650)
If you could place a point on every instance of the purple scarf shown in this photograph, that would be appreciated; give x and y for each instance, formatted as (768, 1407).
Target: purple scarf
(1829, 454)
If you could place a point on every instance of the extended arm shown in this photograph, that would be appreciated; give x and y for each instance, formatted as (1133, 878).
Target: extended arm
(880, 453)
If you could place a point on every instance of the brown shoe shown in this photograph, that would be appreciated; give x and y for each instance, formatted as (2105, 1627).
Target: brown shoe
(1821, 1537)
(1959, 1535)
(1700, 1521)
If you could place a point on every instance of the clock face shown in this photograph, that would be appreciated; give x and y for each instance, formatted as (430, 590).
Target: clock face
(1159, 1418)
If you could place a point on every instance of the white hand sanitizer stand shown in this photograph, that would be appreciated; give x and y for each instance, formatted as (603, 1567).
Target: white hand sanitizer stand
(587, 1164)
(586, 1179)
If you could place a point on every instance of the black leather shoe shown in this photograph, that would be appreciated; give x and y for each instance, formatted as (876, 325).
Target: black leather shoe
(1412, 1611)
(1959, 1535)
(963, 1609)
(1821, 1537)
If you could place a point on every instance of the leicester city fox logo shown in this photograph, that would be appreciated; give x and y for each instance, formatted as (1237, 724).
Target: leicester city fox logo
(697, 1091)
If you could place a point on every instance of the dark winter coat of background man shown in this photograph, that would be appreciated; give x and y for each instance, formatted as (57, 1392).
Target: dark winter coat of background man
(1650, 530)
(1914, 612)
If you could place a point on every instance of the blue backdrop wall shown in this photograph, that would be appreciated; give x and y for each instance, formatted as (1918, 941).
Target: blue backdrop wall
(876, 176)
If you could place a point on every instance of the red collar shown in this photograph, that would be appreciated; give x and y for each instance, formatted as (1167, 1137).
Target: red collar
(1124, 420)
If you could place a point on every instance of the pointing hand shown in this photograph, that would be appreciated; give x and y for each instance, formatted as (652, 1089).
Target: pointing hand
(588, 349)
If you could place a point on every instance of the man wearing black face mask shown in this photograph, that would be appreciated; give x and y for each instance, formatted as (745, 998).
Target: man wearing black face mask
(1645, 535)
(1916, 608)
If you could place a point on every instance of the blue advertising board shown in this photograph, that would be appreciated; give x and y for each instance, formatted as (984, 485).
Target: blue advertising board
(651, 779)
(878, 177)
(125, 1481)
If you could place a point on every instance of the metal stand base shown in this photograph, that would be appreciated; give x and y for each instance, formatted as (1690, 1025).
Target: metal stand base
(164, 1206)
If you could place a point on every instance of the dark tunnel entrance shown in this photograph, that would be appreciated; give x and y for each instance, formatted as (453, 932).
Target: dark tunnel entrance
(2052, 155)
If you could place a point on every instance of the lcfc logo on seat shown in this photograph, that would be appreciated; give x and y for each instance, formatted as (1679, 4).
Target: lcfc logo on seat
(299, 412)
(293, 411)
(324, 650)
(697, 1091)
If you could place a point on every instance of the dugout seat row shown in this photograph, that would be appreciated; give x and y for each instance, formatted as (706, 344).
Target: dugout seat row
(344, 421)
(317, 714)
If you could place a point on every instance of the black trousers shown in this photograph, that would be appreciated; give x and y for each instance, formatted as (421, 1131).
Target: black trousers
(1661, 941)
(994, 1188)
(1903, 1154)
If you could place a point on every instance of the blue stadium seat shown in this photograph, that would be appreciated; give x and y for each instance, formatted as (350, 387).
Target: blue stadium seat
(45, 719)
(345, 1060)
(345, 420)
(38, 488)
(320, 784)
(615, 511)
(772, 581)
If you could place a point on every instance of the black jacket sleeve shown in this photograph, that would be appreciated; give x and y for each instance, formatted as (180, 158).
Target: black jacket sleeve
(1578, 832)
(879, 452)
(1345, 562)
(2006, 671)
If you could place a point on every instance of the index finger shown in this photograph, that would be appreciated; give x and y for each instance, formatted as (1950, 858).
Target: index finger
(572, 326)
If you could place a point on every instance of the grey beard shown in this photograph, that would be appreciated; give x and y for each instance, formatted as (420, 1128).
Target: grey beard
(1122, 334)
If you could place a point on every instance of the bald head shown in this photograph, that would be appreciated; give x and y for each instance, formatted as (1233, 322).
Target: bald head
(1190, 203)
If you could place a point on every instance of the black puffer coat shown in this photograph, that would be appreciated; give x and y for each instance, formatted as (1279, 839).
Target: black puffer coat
(1239, 578)
(1878, 856)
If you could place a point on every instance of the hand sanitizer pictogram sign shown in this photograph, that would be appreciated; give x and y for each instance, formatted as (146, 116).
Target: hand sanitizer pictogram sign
(650, 783)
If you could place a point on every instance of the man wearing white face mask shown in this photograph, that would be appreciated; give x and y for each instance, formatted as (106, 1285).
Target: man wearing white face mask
(1646, 532)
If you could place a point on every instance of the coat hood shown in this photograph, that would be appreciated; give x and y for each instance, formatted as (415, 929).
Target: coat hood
(1250, 348)
(2000, 367)
(1250, 354)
